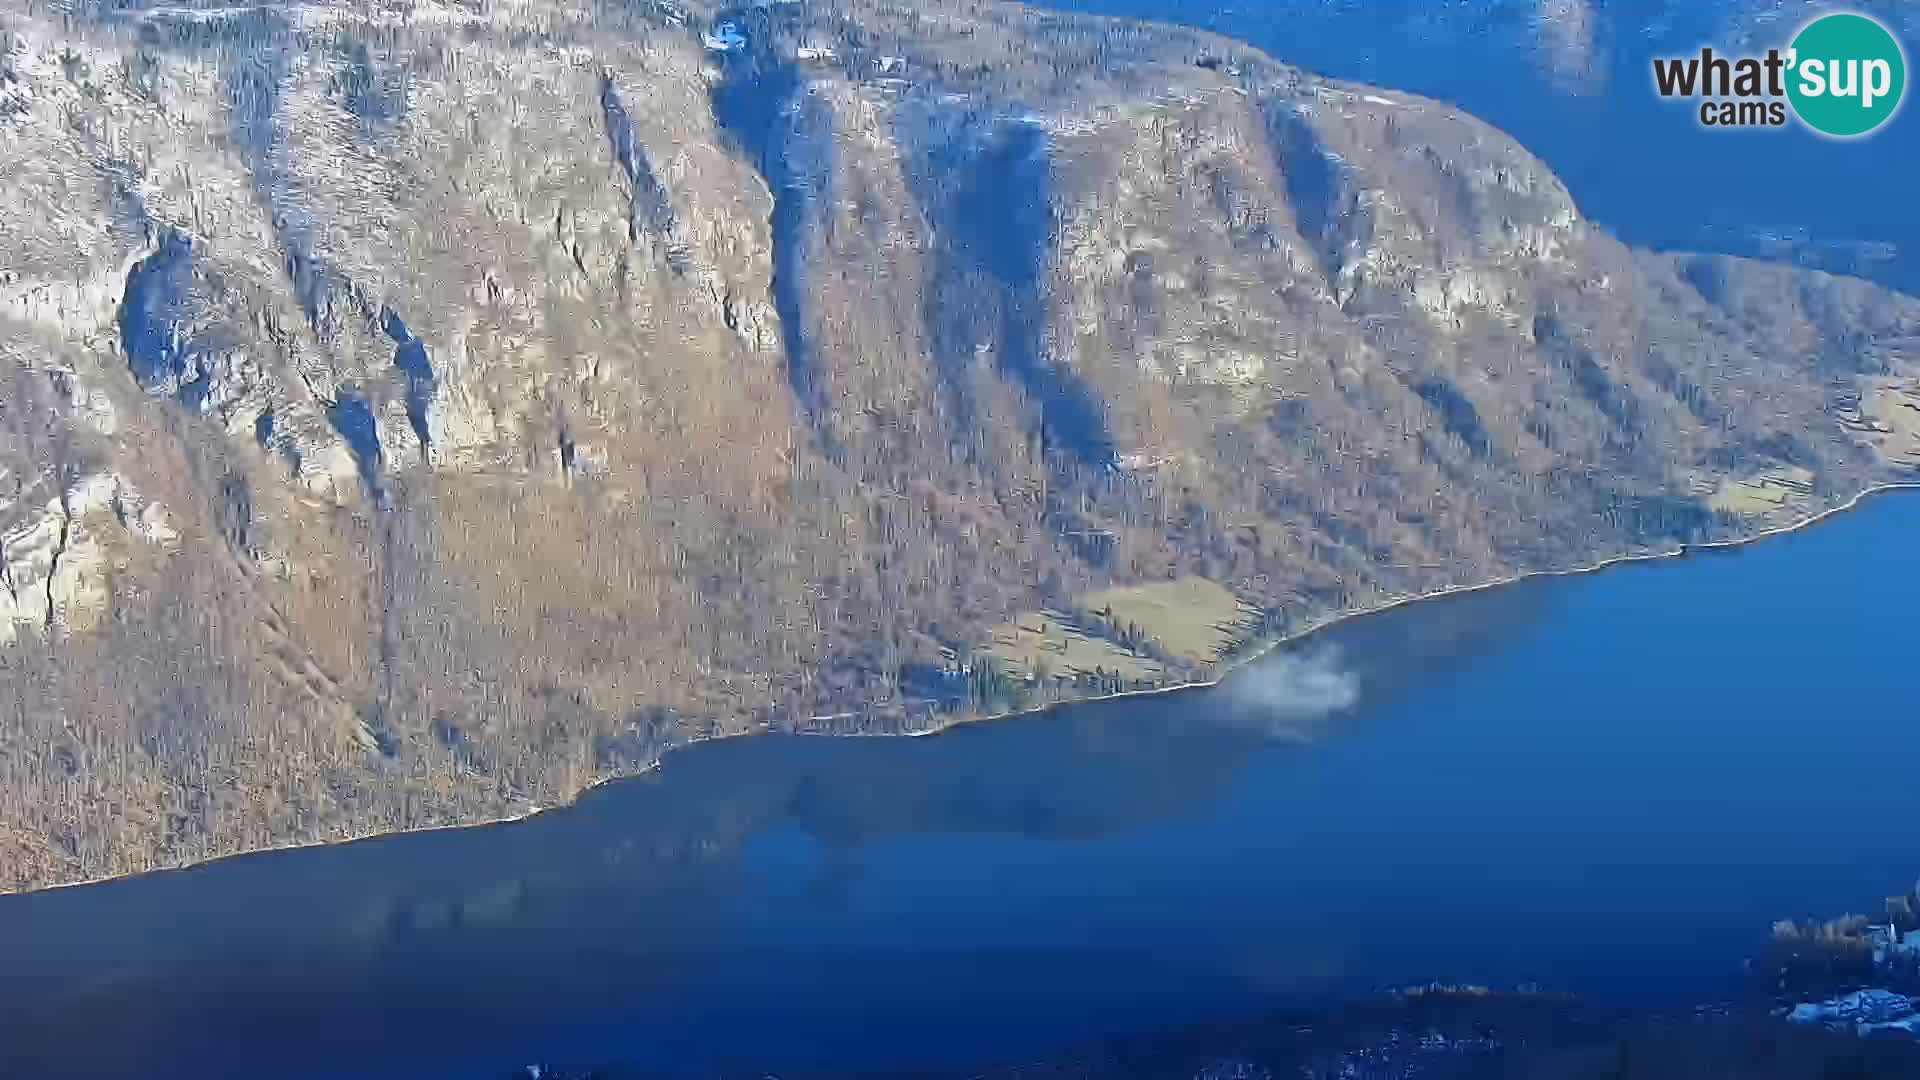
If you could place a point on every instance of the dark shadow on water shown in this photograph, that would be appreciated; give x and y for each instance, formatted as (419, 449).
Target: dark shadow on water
(1579, 779)
(630, 891)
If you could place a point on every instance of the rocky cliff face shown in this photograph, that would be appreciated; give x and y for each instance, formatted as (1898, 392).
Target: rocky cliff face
(413, 412)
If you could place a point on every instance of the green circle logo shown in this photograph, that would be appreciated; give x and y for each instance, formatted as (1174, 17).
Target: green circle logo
(1846, 75)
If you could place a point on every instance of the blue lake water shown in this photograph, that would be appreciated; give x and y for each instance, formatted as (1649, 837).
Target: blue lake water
(1610, 783)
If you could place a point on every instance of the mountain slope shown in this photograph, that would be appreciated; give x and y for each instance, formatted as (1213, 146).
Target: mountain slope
(414, 413)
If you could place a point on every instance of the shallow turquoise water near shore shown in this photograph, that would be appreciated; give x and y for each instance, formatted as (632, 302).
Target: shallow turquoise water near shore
(1610, 783)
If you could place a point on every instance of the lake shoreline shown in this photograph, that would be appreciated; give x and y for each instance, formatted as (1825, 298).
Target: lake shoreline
(1227, 669)
(1329, 622)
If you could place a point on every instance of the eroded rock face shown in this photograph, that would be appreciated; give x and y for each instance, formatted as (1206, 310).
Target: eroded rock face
(53, 558)
(403, 401)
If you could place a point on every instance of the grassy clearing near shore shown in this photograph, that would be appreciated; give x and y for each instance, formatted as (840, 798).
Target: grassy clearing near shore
(1893, 408)
(1052, 643)
(1191, 618)
(1763, 493)
(1133, 631)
